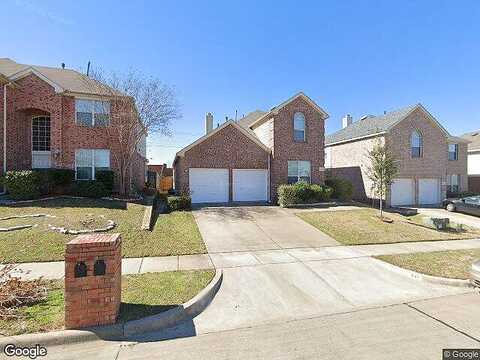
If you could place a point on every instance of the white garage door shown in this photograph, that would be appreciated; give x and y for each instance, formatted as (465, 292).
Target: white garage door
(402, 192)
(208, 185)
(428, 191)
(250, 185)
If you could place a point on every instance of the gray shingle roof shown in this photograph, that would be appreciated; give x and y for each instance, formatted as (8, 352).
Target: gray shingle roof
(474, 138)
(248, 120)
(368, 126)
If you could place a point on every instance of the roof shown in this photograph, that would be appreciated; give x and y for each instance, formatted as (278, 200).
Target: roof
(474, 138)
(248, 120)
(63, 80)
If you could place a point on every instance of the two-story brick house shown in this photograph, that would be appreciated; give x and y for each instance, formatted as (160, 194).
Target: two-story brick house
(58, 118)
(430, 161)
(247, 160)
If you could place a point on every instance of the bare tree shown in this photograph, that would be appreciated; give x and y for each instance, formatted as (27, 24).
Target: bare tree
(140, 106)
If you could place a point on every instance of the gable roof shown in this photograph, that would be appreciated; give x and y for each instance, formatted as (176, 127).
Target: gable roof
(277, 108)
(376, 125)
(246, 121)
(474, 139)
(246, 132)
(62, 80)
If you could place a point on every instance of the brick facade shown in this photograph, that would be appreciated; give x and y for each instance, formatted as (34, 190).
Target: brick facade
(32, 97)
(93, 299)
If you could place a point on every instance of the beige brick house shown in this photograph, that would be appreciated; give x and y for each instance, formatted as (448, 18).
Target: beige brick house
(473, 160)
(247, 160)
(431, 162)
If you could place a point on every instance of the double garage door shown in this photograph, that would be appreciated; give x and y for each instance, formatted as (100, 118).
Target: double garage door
(212, 185)
(403, 192)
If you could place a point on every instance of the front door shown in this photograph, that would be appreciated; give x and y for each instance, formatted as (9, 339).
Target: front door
(41, 155)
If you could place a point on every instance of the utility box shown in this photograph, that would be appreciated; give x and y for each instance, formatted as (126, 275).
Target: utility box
(93, 275)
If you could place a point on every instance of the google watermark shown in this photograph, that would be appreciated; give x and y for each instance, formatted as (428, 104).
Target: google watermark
(461, 354)
(31, 352)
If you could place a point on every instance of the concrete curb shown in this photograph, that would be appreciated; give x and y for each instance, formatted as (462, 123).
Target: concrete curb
(119, 332)
(428, 278)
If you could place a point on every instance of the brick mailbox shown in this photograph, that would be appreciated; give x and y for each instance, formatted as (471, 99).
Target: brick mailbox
(93, 275)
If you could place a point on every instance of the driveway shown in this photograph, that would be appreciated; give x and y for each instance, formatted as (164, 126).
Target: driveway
(469, 220)
(228, 229)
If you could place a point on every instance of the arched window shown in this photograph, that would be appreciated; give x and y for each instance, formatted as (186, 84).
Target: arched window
(299, 127)
(417, 144)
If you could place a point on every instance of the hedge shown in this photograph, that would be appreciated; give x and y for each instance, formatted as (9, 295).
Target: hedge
(89, 188)
(342, 188)
(22, 185)
(303, 193)
(106, 177)
(182, 202)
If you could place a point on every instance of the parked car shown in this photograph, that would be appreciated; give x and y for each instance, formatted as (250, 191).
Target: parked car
(468, 205)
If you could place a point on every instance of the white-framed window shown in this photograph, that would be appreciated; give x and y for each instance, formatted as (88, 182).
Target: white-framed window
(92, 112)
(453, 183)
(41, 133)
(89, 161)
(452, 151)
(299, 170)
(298, 127)
(417, 144)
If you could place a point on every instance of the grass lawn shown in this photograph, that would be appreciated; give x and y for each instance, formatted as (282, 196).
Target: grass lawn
(142, 295)
(454, 264)
(174, 234)
(355, 227)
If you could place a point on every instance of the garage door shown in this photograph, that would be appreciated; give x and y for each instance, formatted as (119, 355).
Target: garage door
(208, 185)
(428, 191)
(250, 185)
(402, 192)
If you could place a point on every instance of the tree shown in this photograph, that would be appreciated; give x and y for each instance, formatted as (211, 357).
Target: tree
(140, 106)
(382, 170)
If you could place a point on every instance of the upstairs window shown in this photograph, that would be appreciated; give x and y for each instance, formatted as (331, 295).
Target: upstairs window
(417, 144)
(452, 151)
(89, 161)
(298, 171)
(41, 133)
(92, 112)
(299, 127)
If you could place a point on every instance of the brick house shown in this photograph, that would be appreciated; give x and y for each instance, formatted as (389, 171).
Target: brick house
(431, 162)
(247, 160)
(473, 160)
(58, 118)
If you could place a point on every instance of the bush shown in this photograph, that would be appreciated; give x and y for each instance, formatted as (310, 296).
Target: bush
(22, 185)
(182, 202)
(342, 188)
(55, 180)
(303, 193)
(106, 177)
(89, 188)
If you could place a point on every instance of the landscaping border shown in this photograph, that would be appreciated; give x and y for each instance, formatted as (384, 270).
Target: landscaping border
(120, 332)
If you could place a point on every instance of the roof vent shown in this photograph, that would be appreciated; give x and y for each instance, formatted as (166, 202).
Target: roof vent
(475, 134)
(364, 117)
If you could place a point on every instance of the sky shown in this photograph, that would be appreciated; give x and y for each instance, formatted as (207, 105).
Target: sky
(356, 57)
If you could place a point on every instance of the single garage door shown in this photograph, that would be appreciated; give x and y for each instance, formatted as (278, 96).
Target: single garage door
(402, 192)
(208, 185)
(428, 191)
(250, 185)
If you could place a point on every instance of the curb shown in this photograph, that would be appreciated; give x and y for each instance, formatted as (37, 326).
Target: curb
(119, 332)
(428, 278)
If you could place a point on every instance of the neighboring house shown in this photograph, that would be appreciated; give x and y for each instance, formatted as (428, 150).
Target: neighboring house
(431, 162)
(160, 176)
(473, 161)
(247, 160)
(58, 118)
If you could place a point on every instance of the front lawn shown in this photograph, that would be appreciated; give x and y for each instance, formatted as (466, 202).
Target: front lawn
(355, 227)
(174, 234)
(142, 295)
(454, 264)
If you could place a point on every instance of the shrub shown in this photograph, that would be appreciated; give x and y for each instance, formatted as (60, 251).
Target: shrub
(106, 177)
(55, 180)
(89, 188)
(182, 202)
(342, 188)
(22, 185)
(303, 193)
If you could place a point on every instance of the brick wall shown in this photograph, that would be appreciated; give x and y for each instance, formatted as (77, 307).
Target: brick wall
(93, 300)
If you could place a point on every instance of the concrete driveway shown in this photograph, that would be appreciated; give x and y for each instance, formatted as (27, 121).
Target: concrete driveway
(227, 229)
(469, 220)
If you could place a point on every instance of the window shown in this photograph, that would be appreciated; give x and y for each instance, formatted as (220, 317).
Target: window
(417, 144)
(299, 127)
(92, 112)
(298, 171)
(89, 161)
(41, 133)
(452, 183)
(452, 151)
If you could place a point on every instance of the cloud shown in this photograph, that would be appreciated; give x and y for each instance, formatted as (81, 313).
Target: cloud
(39, 10)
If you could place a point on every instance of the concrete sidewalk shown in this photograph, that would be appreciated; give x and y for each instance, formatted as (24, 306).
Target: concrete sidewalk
(55, 270)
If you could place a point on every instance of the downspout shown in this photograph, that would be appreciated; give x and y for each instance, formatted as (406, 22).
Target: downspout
(4, 134)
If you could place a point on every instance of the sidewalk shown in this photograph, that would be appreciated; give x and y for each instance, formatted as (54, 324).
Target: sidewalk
(56, 269)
